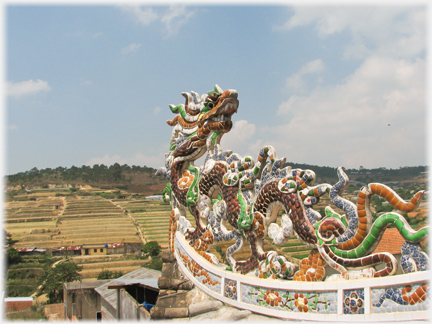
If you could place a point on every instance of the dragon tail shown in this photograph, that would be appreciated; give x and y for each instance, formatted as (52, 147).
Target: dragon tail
(394, 199)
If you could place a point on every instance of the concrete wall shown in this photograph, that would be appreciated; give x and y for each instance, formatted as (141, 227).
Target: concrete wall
(91, 251)
(130, 309)
(54, 310)
(128, 306)
(109, 313)
(83, 303)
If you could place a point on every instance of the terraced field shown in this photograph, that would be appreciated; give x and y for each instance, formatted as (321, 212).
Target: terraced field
(33, 221)
(93, 265)
(96, 220)
(151, 216)
(79, 220)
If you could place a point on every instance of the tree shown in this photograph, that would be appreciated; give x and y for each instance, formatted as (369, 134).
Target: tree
(108, 274)
(152, 248)
(116, 172)
(52, 285)
(13, 256)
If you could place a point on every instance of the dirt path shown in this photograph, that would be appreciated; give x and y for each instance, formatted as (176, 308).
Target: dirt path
(141, 234)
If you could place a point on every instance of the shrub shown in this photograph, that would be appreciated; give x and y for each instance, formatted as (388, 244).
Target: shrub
(107, 274)
(155, 264)
(152, 248)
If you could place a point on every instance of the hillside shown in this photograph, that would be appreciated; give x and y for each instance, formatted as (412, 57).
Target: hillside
(142, 180)
(135, 179)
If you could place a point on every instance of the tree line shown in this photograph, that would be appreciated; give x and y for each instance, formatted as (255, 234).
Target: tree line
(118, 173)
(325, 172)
(96, 173)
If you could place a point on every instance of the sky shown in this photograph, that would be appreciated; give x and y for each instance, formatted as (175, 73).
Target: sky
(324, 84)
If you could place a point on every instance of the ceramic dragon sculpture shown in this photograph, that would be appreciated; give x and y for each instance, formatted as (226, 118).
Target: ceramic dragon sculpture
(238, 199)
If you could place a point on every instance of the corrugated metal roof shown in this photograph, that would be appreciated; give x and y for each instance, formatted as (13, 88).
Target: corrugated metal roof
(114, 245)
(26, 249)
(70, 248)
(125, 282)
(93, 246)
(74, 285)
(142, 276)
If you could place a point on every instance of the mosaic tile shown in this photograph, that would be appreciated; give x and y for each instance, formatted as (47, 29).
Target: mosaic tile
(230, 290)
(353, 301)
(406, 298)
(290, 301)
(206, 278)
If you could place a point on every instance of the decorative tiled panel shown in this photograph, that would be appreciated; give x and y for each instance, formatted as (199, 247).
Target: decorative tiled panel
(290, 301)
(208, 279)
(406, 298)
(230, 290)
(353, 301)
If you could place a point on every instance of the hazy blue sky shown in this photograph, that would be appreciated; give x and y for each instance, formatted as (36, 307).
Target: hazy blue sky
(91, 84)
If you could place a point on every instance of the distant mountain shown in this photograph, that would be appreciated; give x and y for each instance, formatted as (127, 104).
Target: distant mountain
(132, 178)
(143, 179)
(326, 174)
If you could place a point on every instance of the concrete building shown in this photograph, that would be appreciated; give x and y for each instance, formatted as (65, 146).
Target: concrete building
(115, 248)
(155, 197)
(67, 250)
(123, 298)
(30, 251)
(81, 301)
(94, 249)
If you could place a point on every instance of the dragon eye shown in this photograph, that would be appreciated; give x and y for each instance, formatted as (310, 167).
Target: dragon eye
(210, 104)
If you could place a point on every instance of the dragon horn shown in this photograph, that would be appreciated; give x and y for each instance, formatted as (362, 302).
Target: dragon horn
(188, 97)
(174, 109)
(218, 89)
(196, 97)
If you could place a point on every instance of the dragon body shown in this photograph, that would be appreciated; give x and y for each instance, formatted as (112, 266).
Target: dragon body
(234, 198)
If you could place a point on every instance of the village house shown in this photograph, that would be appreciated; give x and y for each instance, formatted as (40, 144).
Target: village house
(112, 299)
(67, 250)
(94, 249)
(123, 298)
(30, 251)
(81, 302)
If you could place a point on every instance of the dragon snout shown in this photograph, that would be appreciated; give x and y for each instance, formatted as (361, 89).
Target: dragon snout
(230, 93)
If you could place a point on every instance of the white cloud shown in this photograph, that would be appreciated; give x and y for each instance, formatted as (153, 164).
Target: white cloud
(239, 137)
(23, 88)
(175, 17)
(143, 16)
(172, 18)
(347, 124)
(296, 81)
(156, 111)
(397, 30)
(130, 48)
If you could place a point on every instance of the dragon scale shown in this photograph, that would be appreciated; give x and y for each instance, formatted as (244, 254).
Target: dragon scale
(237, 199)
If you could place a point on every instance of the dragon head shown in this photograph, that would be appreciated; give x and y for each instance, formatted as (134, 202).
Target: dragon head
(219, 106)
(201, 122)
